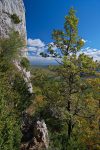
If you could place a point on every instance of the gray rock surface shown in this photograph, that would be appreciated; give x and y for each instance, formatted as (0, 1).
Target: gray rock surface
(8, 8)
(26, 75)
(35, 134)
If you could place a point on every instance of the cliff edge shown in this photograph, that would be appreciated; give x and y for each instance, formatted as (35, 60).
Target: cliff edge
(12, 16)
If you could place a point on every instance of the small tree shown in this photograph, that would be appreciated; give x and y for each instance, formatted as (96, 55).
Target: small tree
(67, 95)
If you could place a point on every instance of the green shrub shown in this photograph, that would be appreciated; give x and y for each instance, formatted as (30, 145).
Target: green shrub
(15, 19)
(14, 94)
(10, 47)
(25, 63)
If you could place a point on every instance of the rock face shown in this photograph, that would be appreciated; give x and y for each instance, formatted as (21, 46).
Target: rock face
(26, 75)
(12, 16)
(35, 134)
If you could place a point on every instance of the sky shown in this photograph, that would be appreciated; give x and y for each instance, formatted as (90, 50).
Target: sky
(42, 16)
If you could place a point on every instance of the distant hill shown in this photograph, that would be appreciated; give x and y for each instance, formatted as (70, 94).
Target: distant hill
(43, 62)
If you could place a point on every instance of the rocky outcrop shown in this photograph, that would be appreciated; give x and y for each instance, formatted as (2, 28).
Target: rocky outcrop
(35, 134)
(26, 75)
(12, 16)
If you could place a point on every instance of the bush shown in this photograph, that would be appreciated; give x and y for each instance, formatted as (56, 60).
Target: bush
(10, 47)
(14, 94)
(15, 19)
(25, 63)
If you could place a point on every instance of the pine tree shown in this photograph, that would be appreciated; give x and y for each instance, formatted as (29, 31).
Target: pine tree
(67, 92)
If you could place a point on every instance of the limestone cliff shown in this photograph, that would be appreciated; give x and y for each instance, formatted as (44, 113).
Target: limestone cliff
(12, 16)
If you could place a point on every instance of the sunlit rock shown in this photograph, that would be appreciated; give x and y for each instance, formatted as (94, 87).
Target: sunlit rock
(35, 134)
(12, 16)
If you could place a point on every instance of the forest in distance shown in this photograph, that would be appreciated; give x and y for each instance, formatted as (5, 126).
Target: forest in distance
(66, 96)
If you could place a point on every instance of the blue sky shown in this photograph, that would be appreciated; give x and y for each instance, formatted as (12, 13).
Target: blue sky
(42, 16)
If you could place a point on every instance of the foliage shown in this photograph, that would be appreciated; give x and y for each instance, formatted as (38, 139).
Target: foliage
(67, 40)
(9, 47)
(25, 63)
(70, 102)
(24, 98)
(14, 94)
(15, 18)
(10, 134)
(43, 54)
(84, 112)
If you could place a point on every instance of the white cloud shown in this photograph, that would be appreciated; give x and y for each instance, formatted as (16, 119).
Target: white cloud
(35, 43)
(84, 40)
(36, 50)
(32, 48)
(37, 46)
(92, 52)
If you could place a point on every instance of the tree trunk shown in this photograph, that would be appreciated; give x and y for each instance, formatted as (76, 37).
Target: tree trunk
(69, 122)
(69, 129)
